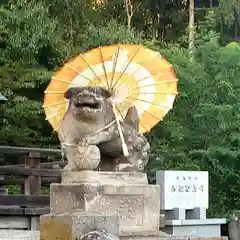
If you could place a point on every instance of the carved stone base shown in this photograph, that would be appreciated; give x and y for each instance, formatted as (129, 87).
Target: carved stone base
(126, 195)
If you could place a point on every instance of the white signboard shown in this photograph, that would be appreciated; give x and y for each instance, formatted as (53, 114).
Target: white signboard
(183, 189)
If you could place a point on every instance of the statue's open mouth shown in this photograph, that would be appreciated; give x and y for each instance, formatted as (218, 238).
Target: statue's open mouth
(92, 105)
(88, 101)
(88, 104)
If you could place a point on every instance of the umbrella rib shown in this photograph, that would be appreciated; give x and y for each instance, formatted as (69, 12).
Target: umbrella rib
(60, 80)
(134, 55)
(157, 93)
(124, 119)
(155, 84)
(157, 118)
(120, 114)
(153, 93)
(150, 76)
(104, 68)
(150, 85)
(54, 104)
(56, 129)
(75, 70)
(160, 82)
(114, 65)
(99, 80)
(121, 83)
(52, 116)
(53, 92)
(141, 100)
(144, 127)
(144, 111)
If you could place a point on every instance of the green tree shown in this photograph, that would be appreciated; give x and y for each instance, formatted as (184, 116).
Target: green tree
(202, 131)
(33, 45)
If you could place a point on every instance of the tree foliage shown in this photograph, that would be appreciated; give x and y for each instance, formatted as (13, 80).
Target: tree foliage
(200, 133)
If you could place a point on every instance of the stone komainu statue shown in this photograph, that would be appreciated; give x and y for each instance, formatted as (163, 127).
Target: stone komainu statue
(90, 138)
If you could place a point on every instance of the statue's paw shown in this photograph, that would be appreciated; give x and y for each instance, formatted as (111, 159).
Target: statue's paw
(87, 157)
(84, 142)
(141, 166)
(145, 153)
(69, 167)
(146, 148)
(138, 161)
(126, 167)
(89, 140)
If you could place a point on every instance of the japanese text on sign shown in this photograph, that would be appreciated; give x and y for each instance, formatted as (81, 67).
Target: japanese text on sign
(183, 189)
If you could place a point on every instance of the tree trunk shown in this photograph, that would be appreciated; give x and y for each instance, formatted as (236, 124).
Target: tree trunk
(236, 26)
(129, 22)
(191, 27)
(129, 11)
(211, 3)
(154, 20)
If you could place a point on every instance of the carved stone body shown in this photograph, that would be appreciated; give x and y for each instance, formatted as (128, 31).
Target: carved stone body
(112, 157)
(86, 124)
(137, 145)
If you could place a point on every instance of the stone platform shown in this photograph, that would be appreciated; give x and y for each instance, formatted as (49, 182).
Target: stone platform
(35, 235)
(122, 194)
(122, 203)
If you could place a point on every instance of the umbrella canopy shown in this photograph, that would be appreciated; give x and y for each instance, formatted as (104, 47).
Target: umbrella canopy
(135, 75)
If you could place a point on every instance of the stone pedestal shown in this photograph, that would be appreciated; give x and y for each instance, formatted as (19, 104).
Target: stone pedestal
(125, 195)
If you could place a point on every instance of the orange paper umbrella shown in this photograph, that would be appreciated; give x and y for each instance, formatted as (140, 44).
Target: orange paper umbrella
(133, 74)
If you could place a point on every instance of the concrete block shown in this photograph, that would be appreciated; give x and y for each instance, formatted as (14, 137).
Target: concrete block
(176, 214)
(194, 227)
(196, 213)
(162, 220)
(200, 231)
(35, 223)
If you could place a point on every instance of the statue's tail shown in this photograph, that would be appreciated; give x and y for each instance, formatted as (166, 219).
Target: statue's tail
(132, 118)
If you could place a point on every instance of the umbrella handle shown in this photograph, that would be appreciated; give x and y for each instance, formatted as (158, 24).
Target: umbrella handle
(124, 145)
